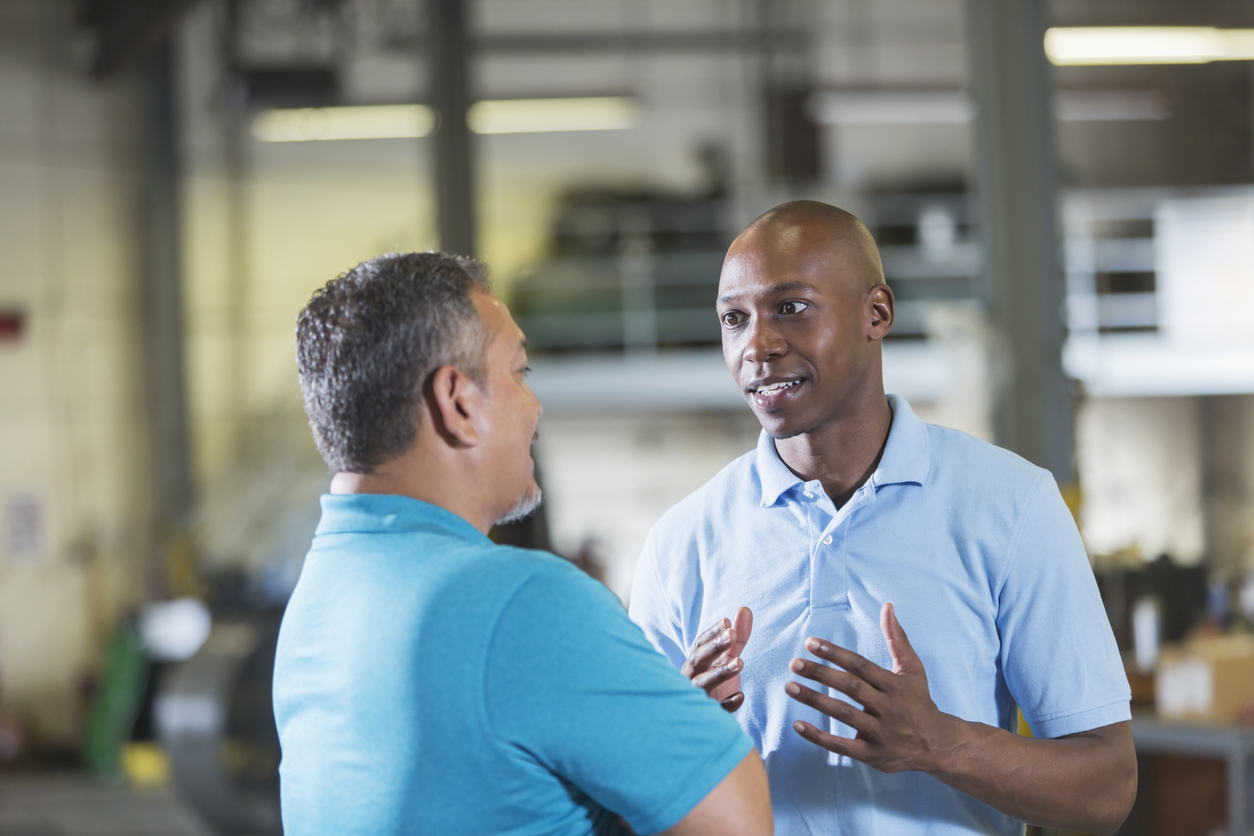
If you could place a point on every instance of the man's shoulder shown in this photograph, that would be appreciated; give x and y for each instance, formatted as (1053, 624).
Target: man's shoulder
(542, 570)
(732, 486)
(532, 575)
(977, 464)
(426, 565)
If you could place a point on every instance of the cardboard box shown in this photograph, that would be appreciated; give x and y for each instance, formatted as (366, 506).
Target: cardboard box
(1207, 680)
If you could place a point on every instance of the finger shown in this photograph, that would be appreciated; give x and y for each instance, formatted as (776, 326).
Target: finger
(707, 651)
(859, 750)
(743, 628)
(733, 702)
(851, 686)
(705, 654)
(832, 707)
(857, 665)
(717, 676)
(905, 660)
(718, 627)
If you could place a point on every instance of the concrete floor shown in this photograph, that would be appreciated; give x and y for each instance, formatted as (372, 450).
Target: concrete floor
(66, 804)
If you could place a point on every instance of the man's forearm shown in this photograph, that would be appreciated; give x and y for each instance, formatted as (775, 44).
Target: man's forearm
(1085, 781)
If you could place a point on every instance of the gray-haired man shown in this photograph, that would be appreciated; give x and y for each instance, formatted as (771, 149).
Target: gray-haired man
(428, 681)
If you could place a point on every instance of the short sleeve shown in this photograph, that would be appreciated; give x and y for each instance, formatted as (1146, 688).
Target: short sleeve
(1059, 656)
(651, 609)
(575, 684)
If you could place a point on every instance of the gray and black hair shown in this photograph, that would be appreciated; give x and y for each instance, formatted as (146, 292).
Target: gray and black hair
(368, 342)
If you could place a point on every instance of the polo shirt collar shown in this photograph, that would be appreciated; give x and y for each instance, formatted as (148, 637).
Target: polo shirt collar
(905, 459)
(776, 478)
(376, 513)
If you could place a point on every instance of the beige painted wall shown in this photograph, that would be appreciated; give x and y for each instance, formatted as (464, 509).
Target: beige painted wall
(72, 423)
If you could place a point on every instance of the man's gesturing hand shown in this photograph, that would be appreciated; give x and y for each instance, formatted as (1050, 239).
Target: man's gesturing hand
(714, 664)
(898, 725)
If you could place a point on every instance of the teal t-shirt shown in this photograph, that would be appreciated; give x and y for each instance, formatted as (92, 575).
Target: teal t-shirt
(428, 681)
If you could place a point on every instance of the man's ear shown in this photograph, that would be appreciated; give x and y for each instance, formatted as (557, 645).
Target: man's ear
(453, 402)
(880, 306)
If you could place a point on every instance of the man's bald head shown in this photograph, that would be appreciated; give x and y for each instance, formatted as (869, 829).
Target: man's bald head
(803, 307)
(815, 227)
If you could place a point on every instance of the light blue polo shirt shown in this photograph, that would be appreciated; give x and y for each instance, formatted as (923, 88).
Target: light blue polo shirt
(428, 681)
(989, 577)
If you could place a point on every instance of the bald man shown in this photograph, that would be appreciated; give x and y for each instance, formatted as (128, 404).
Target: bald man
(873, 595)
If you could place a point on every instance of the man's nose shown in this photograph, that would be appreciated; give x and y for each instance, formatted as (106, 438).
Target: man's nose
(762, 341)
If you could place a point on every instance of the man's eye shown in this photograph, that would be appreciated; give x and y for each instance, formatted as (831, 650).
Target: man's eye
(789, 308)
(731, 319)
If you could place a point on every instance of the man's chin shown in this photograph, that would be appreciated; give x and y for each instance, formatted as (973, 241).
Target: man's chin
(779, 426)
(526, 504)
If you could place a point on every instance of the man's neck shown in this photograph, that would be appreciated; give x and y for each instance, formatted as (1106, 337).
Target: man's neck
(844, 452)
(423, 477)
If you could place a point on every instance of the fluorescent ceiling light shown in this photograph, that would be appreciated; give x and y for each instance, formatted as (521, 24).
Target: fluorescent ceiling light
(366, 122)
(1147, 45)
(953, 107)
(518, 116)
(502, 116)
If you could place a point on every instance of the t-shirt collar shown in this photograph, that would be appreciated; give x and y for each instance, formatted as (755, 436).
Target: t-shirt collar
(366, 513)
(905, 459)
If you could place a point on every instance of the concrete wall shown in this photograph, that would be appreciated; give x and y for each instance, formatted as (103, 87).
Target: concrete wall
(73, 472)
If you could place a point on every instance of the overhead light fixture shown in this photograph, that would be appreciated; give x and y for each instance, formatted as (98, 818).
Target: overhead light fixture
(953, 107)
(308, 124)
(521, 116)
(1098, 45)
(500, 116)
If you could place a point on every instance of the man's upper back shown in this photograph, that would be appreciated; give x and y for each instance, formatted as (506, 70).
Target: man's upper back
(428, 681)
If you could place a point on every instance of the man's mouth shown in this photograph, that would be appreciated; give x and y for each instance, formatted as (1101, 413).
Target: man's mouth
(773, 388)
(770, 395)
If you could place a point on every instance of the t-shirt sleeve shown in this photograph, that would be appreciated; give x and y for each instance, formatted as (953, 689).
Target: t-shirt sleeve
(650, 609)
(1058, 653)
(573, 683)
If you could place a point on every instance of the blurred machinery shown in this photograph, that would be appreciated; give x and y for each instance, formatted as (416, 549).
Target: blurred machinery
(1178, 593)
(208, 700)
(214, 718)
(930, 255)
(638, 270)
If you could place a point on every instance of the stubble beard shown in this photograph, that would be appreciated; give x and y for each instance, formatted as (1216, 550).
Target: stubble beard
(526, 504)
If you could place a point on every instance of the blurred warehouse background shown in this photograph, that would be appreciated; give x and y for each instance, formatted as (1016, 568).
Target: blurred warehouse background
(1070, 237)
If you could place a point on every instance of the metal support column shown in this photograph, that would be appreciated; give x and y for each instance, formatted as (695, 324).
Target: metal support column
(454, 156)
(162, 293)
(1015, 189)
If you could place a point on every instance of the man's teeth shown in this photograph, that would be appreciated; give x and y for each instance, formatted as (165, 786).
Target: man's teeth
(776, 387)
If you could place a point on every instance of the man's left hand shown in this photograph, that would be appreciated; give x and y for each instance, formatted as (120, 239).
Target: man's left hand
(898, 728)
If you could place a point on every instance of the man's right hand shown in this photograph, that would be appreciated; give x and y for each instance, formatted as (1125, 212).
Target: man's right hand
(714, 664)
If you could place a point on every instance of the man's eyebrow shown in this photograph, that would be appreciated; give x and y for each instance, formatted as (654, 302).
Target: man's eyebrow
(783, 287)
